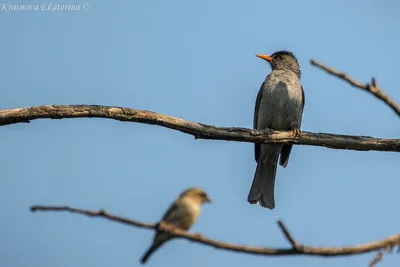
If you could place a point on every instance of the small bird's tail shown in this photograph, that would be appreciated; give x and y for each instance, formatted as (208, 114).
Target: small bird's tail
(262, 189)
(148, 253)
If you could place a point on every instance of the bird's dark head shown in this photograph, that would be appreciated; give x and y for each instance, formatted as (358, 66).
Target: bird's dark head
(282, 60)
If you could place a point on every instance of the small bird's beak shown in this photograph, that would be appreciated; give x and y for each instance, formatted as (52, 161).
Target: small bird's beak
(265, 57)
(207, 200)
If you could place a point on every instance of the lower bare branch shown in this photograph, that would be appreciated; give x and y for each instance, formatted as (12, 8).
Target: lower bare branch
(372, 87)
(198, 130)
(100, 213)
(298, 249)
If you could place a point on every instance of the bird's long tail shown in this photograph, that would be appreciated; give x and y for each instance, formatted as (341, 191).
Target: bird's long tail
(148, 253)
(262, 188)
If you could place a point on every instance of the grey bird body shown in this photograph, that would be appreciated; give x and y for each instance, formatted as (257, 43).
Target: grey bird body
(182, 213)
(279, 106)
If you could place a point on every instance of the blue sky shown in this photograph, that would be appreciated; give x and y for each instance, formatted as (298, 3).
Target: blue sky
(194, 60)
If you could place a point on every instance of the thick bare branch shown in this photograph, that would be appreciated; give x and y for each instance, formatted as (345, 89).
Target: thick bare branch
(373, 88)
(198, 130)
(297, 248)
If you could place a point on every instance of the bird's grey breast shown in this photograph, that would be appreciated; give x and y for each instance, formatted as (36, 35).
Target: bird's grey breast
(281, 102)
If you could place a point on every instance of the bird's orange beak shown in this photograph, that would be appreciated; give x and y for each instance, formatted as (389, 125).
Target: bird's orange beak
(265, 57)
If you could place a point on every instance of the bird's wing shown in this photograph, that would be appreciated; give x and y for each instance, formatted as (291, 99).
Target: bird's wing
(160, 238)
(171, 215)
(179, 215)
(285, 153)
(175, 216)
(255, 121)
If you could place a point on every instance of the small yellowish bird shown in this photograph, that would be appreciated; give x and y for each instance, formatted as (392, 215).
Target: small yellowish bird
(182, 214)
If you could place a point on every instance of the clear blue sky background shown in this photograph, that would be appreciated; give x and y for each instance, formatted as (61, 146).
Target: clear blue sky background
(194, 60)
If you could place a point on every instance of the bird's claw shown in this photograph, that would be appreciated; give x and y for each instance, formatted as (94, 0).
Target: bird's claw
(268, 132)
(296, 132)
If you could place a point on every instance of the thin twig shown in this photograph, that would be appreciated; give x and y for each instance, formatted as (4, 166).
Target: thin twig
(100, 213)
(376, 259)
(373, 87)
(198, 130)
(288, 236)
(298, 250)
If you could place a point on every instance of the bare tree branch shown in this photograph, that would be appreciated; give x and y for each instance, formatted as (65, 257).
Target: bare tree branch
(373, 88)
(297, 248)
(198, 130)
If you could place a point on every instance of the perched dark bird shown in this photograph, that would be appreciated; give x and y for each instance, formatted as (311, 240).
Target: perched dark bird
(182, 214)
(279, 106)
